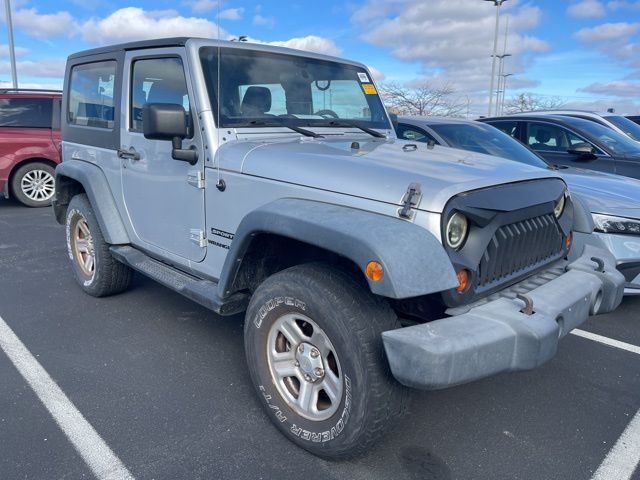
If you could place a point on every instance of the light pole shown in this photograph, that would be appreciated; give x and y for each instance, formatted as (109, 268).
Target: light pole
(498, 4)
(504, 91)
(500, 77)
(12, 52)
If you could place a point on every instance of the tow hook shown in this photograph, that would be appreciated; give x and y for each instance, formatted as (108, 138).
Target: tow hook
(600, 263)
(528, 304)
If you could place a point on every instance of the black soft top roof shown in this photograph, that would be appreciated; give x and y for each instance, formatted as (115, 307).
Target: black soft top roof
(155, 43)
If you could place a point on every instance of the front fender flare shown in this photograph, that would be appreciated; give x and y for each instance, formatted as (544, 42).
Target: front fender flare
(414, 261)
(97, 189)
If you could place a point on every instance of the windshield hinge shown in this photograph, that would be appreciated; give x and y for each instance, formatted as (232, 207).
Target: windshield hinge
(411, 199)
(197, 237)
(195, 178)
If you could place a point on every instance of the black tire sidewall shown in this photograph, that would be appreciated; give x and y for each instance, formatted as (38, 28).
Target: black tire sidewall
(340, 432)
(80, 206)
(16, 183)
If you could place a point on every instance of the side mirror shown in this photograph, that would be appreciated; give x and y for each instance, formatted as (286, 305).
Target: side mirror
(583, 150)
(168, 121)
(394, 120)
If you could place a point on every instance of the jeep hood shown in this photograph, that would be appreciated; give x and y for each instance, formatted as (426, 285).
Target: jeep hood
(605, 193)
(380, 169)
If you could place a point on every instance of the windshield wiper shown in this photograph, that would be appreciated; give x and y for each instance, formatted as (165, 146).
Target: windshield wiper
(272, 123)
(370, 131)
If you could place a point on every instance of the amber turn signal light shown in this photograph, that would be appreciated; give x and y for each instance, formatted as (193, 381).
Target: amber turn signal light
(463, 281)
(374, 271)
(568, 240)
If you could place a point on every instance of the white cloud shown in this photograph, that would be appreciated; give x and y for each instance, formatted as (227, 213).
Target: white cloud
(587, 9)
(452, 41)
(377, 75)
(48, 68)
(617, 88)
(620, 5)
(261, 20)
(4, 51)
(43, 26)
(133, 23)
(231, 14)
(607, 31)
(202, 6)
(310, 43)
(44, 86)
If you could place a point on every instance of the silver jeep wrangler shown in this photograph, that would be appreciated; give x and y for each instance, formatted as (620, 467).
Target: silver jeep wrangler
(255, 178)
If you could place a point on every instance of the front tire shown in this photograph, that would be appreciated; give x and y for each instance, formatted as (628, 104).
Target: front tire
(315, 354)
(94, 268)
(33, 184)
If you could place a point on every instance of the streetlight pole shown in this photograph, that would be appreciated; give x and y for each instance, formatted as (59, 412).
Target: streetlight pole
(500, 76)
(498, 4)
(504, 91)
(12, 51)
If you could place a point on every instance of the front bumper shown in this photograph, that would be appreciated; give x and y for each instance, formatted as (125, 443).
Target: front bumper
(497, 335)
(626, 250)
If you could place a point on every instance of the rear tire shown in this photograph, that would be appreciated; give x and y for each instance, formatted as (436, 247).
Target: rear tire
(95, 269)
(313, 328)
(33, 184)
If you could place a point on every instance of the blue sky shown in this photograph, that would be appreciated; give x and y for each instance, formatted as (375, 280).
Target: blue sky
(585, 51)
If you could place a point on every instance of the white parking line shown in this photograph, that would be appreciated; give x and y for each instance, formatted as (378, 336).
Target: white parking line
(622, 460)
(93, 450)
(606, 341)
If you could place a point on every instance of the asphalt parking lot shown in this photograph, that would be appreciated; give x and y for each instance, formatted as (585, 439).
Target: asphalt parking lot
(163, 382)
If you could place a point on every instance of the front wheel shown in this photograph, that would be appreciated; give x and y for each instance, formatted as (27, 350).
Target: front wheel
(95, 269)
(313, 345)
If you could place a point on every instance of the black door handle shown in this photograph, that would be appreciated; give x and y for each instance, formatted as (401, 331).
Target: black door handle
(130, 154)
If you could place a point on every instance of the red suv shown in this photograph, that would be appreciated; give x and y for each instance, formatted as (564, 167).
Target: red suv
(29, 139)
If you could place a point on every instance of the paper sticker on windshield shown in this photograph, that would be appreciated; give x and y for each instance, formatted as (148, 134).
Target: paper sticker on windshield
(369, 88)
(364, 78)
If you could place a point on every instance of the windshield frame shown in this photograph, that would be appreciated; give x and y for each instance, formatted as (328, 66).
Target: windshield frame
(208, 58)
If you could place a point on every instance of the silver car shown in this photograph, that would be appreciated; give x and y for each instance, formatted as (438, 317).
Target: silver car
(614, 200)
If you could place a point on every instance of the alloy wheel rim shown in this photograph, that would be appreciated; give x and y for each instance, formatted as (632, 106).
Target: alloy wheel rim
(38, 185)
(304, 367)
(83, 247)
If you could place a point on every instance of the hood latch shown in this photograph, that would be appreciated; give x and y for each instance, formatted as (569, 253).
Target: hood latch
(411, 199)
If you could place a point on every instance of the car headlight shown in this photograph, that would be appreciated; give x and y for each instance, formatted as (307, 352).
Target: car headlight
(558, 208)
(456, 231)
(611, 224)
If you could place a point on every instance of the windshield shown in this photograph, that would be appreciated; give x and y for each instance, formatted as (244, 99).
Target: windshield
(617, 143)
(488, 140)
(627, 126)
(265, 89)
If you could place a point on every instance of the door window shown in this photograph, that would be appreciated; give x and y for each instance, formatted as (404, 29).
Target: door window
(91, 95)
(157, 80)
(415, 134)
(548, 137)
(508, 127)
(25, 112)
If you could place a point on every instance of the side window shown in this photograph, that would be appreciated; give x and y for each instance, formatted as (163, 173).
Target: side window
(91, 95)
(510, 128)
(156, 80)
(544, 136)
(25, 112)
(415, 134)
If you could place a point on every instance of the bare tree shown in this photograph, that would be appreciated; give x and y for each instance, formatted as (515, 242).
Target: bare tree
(422, 100)
(526, 102)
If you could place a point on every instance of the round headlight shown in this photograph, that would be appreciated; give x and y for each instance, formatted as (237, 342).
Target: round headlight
(456, 231)
(558, 208)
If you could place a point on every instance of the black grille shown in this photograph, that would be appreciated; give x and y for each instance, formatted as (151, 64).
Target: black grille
(519, 248)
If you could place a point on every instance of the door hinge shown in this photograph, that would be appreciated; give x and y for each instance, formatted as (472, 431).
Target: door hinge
(197, 237)
(195, 178)
(411, 199)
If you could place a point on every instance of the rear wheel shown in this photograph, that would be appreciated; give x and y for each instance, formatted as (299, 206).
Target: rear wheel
(95, 269)
(33, 184)
(313, 345)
